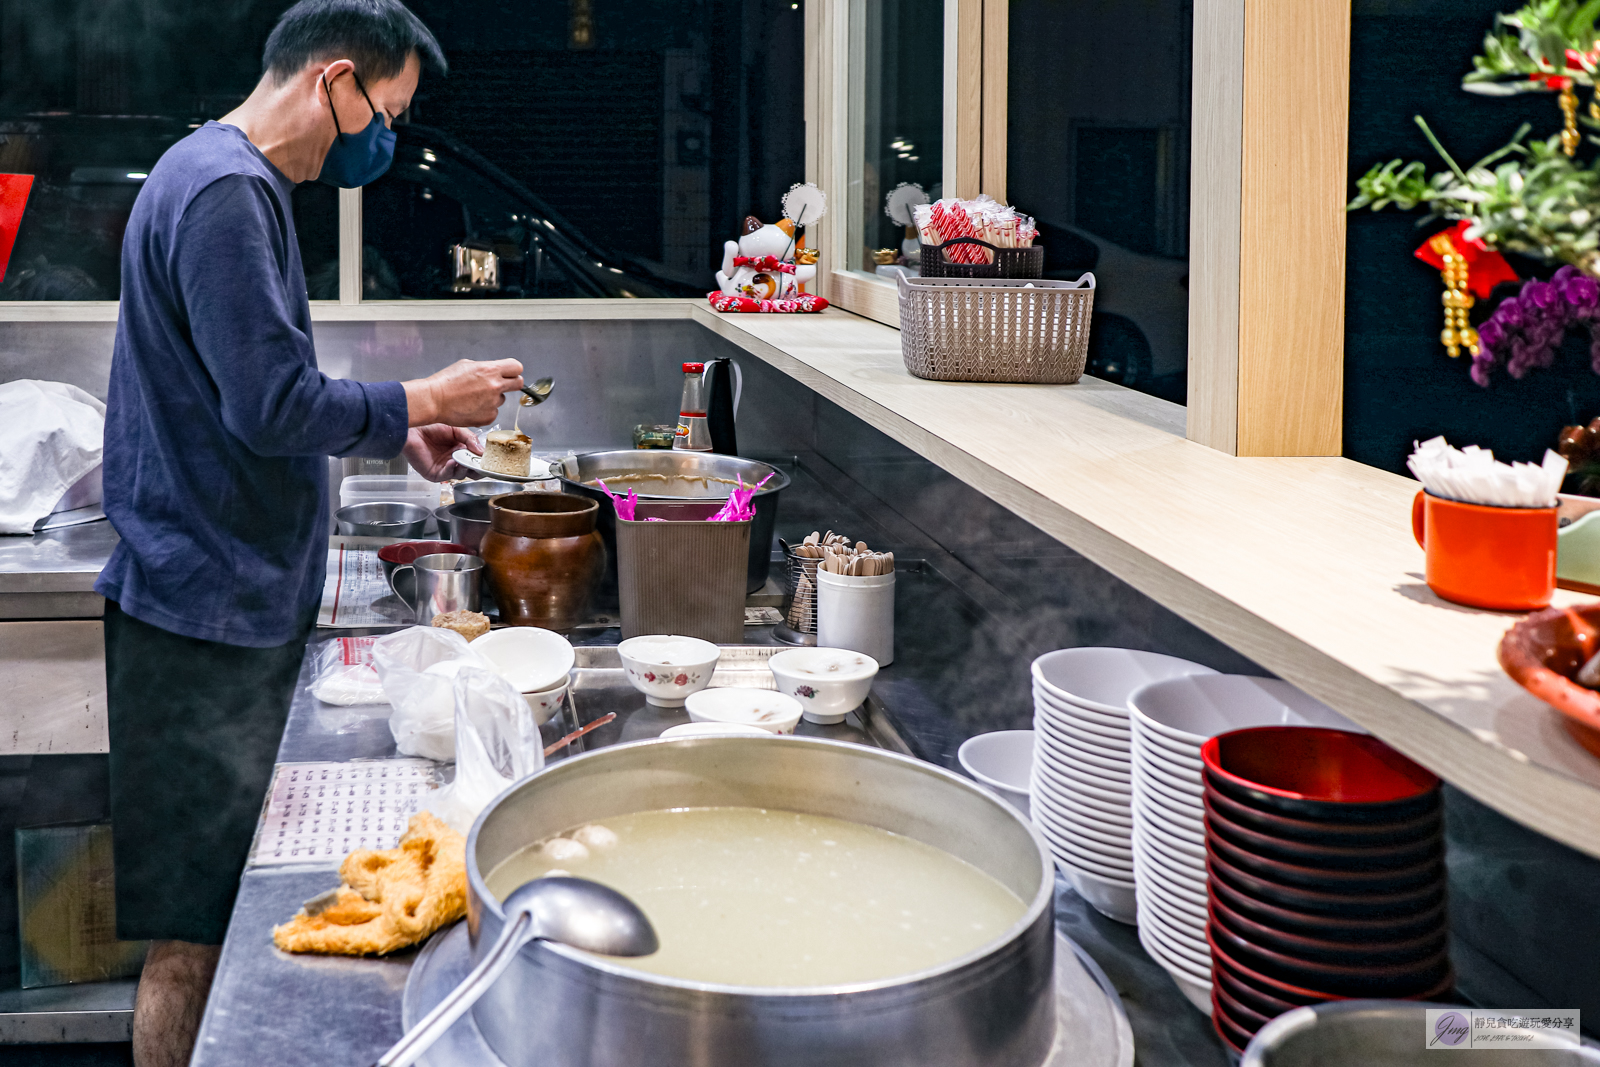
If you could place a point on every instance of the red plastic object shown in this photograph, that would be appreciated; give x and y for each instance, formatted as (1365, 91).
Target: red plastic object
(1401, 905)
(1325, 857)
(1248, 995)
(1320, 949)
(14, 189)
(1317, 832)
(1544, 651)
(1241, 1013)
(1503, 559)
(1350, 980)
(1233, 1035)
(1328, 927)
(1429, 871)
(1319, 768)
(407, 551)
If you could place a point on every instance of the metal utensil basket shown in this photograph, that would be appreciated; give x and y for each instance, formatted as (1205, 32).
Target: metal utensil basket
(995, 330)
(934, 262)
(799, 624)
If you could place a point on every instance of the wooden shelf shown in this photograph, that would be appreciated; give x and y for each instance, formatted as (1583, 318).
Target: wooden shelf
(1307, 566)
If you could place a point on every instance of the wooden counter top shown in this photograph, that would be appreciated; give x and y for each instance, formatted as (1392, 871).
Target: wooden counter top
(1307, 566)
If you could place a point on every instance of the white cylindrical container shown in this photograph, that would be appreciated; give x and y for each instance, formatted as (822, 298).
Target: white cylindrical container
(856, 612)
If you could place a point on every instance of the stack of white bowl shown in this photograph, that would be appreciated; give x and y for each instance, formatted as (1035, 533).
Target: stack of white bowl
(1082, 779)
(1171, 720)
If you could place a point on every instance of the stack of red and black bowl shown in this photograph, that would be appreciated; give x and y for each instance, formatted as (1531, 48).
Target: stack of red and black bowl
(1325, 874)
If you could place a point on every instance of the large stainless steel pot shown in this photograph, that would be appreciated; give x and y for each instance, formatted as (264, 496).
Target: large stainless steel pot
(557, 1007)
(576, 470)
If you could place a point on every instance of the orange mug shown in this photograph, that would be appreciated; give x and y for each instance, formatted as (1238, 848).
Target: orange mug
(1487, 557)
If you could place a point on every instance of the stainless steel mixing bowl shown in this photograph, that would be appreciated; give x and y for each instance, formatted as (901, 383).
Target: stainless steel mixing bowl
(575, 471)
(382, 518)
(557, 1007)
(1383, 1033)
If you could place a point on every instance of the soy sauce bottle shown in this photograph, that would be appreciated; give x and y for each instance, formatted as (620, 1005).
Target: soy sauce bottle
(693, 434)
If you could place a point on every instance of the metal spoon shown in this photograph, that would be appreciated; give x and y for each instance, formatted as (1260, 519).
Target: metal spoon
(538, 392)
(573, 911)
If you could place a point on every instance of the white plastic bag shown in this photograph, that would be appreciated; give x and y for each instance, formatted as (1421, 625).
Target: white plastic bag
(417, 666)
(50, 436)
(343, 673)
(497, 745)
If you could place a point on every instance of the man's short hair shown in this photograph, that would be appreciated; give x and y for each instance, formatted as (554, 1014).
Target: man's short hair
(376, 35)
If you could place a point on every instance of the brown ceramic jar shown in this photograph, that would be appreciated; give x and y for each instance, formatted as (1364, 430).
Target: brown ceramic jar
(544, 558)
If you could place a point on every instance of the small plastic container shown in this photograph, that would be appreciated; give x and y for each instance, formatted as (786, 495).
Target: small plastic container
(856, 612)
(407, 488)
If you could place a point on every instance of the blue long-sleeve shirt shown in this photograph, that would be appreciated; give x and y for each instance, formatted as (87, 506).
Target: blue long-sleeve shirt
(218, 422)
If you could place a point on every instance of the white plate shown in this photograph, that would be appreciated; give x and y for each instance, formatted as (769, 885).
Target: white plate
(1194, 990)
(1170, 777)
(1111, 897)
(1078, 729)
(1214, 705)
(1048, 704)
(1181, 824)
(1068, 851)
(1179, 904)
(1174, 844)
(1070, 752)
(1044, 783)
(1182, 754)
(1104, 678)
(1067, 804)
(475, 463)
(1182, 930)
(1170, 959)
(1069, 835)
(1093, 796)
(1109, 842)
(1173, 888)
(1184, 871)
(1085, 774)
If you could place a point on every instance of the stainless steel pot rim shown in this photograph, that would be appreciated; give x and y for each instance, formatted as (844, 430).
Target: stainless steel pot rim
(565, 469)
(1043, 901)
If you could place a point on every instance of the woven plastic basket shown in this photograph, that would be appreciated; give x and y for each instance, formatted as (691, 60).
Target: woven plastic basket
(995, 330)
(933, 261)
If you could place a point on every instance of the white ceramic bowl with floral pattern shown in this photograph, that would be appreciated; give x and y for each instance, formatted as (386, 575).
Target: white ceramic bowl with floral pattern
(761, 708)
(830, 683)
(546, 702)
(667, 668)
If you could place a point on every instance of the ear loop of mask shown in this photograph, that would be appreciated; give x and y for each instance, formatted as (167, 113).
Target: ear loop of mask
(337, 127)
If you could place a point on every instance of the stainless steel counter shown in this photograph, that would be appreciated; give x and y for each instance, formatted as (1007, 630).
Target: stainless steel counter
(51, 575)
(267, 1004)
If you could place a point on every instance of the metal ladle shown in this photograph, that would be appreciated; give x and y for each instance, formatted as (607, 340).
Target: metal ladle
(538, 392)
(573, 911)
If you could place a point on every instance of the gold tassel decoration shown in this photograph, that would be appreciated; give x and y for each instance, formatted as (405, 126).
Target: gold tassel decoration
(1569, 119)
(1458, 331)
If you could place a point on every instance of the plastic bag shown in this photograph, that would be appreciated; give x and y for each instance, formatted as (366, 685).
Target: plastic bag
(417, 667)
(343, 673)
(497, 745)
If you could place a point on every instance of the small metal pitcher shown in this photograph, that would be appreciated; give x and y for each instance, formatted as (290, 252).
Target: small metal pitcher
(445, 581)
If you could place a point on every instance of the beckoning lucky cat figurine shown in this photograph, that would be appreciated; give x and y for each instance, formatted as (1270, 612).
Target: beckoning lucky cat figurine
(763, 264)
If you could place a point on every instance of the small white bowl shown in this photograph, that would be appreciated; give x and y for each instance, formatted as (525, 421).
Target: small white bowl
(546, 702)
(761, 708)
(526, 656)
(830, 683)
(1003, 761)
(1190, 710)
(715, 729)
(667, 669)
(1102, 679)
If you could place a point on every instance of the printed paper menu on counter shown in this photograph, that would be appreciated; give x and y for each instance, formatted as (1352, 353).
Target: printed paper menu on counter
(321, 812)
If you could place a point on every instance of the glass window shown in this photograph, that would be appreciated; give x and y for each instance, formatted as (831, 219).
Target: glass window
(896, 120)
(598, 148)
(92, 92)
(1098, 153)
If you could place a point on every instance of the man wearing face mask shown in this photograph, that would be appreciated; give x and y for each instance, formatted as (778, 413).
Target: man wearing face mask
(218, 429)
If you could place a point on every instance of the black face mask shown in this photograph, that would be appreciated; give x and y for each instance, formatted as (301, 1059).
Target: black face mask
(358, 158)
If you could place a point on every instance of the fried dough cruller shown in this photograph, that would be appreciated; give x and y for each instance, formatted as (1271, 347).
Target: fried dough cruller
(572, 911)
